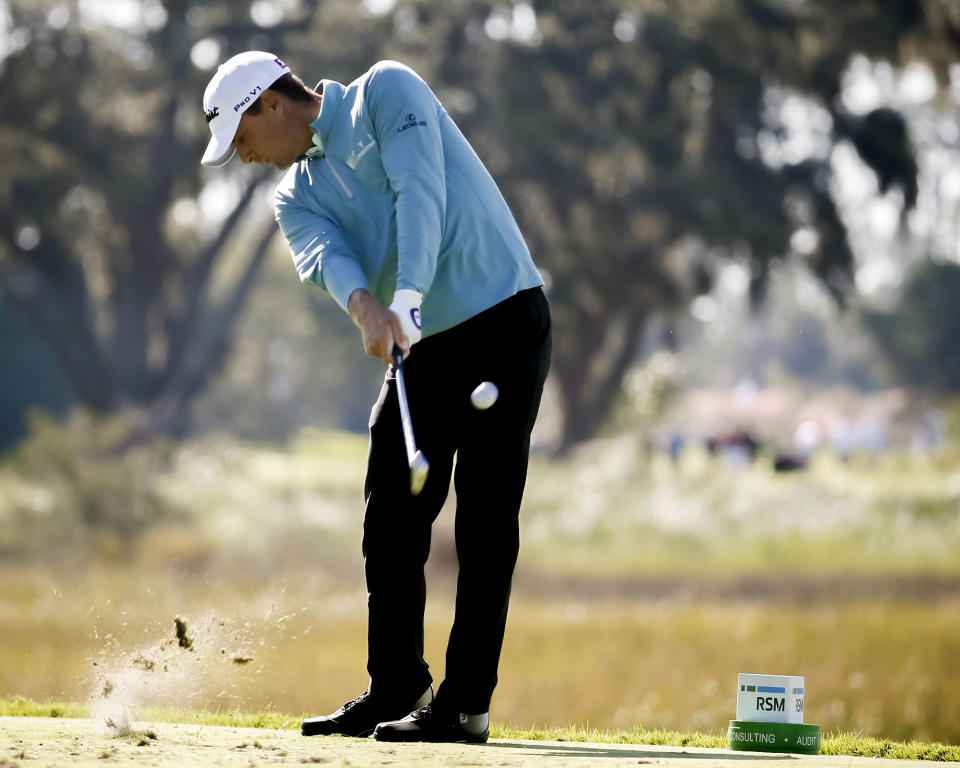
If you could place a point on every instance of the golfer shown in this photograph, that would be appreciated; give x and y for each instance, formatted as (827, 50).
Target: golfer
(387, 208)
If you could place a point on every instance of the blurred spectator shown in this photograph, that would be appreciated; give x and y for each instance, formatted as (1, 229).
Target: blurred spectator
(807, 438)
(736, 448)
(843, 438)
(872, 433)
(928, 435)
(784, 462)
(676, 445)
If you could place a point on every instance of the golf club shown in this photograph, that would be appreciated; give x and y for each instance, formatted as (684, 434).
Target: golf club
(419, 466)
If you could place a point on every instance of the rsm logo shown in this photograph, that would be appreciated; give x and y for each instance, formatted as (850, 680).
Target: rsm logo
(771, 704)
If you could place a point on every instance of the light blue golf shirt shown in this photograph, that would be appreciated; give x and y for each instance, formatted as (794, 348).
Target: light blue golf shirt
(392, 196)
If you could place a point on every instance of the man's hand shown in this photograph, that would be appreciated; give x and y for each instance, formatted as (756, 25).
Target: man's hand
(406, 306)
(380, 327)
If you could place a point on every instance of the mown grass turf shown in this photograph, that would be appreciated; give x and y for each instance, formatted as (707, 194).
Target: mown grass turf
(851, 744)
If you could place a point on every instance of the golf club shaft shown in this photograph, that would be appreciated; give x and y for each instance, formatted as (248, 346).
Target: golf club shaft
(419, 466)
(404, 406)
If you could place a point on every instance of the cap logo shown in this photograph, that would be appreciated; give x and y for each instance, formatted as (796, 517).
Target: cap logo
(211, 113)
(248, 98)
(282, 65)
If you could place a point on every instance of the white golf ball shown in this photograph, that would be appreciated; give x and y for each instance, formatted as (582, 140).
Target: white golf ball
(484, 395)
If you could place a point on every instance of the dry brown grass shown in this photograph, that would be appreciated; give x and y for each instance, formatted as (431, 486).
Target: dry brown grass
(643, 588)
(887, 669)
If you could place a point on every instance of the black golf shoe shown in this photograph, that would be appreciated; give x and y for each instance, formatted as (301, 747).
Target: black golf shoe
(361, 715)
(433, 724)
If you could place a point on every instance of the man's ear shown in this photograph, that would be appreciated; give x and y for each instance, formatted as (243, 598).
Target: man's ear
(270, 100)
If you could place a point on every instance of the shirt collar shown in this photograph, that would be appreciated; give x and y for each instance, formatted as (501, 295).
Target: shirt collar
(332, 96)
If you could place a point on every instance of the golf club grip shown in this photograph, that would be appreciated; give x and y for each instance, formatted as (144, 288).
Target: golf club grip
(404, 406)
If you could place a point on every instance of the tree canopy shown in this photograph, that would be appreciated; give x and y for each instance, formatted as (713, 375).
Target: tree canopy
(919, 334)
(637, 142)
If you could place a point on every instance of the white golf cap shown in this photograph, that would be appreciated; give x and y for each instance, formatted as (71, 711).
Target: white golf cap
(238, 83)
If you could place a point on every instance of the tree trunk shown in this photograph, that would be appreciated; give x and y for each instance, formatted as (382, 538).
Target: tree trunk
(207, 349)
(591, 374)
(57, 307)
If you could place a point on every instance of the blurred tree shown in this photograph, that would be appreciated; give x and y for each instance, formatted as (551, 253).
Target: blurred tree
(919, 335)
(806, 353)
(633, 140)
(296, 361)
(104, 244)
(34, 381)
(638, 141)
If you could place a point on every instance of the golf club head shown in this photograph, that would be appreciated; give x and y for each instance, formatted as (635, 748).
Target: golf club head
(419, 468)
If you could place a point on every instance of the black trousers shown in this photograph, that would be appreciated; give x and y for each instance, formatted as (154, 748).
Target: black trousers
(508, 344)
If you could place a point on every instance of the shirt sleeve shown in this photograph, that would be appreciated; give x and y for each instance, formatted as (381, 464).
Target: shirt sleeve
(320, 254)
(405, 116)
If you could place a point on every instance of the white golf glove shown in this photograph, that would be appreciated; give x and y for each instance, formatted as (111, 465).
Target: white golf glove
(406, 306)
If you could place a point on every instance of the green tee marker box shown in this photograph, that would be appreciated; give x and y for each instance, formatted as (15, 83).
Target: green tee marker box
(770, 716)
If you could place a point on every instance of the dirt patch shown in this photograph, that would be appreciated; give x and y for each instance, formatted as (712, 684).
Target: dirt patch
(27, 742)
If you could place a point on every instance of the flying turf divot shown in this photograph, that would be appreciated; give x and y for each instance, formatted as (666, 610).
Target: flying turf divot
(174, 671)
(770, 716)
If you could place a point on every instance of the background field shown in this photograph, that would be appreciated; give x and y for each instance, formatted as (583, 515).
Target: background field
(639, 595)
